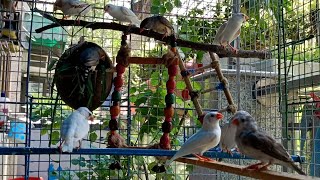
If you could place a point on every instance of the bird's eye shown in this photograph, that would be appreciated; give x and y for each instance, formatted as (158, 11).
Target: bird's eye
(212, 115)
(242, 120)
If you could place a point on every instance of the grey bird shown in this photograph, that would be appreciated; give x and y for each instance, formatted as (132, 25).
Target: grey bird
(230, 30)
(257, 144)
(207, 137)
(157, 24)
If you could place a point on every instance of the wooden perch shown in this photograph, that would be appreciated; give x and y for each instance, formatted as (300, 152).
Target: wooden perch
(216, 65)
(180, 42)
(189, 87)
(236, 169)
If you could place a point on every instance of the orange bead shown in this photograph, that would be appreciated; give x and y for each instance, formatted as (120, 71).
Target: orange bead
(115, 110)
(168, 112)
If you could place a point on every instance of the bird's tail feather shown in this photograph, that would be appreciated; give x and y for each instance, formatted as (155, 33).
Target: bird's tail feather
(67, 147)
(296, 168)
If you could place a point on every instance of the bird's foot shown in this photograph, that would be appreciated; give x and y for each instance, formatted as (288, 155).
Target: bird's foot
(253, 166)
(164, 35)
(77, 21)
(65, 17)
(203, 158)
(235, 50)
(229, 152)
(60, 149)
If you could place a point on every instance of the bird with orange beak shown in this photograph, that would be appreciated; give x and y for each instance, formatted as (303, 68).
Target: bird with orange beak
(206, 138)
(75, 128)
(230, 30)
(157, 24)
(257, 144)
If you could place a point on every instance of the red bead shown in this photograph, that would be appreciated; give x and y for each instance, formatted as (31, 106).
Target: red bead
(200, 65)
(165, 141)
(115, 110)
(166, 127)
(173, 70)
(120, 69)
(171, 84)
(118, 81)
(185, 94)
(168, 119)
(114, 117)
(168, 112)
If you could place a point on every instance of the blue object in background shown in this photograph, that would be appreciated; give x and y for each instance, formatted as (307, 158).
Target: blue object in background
(17, 131)
(315, 159)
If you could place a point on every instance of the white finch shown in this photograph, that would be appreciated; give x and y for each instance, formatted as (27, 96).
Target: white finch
(122, 14)
(207, 137)
(257, 144)
(157, 24)
(72, 7)
(75, 128)
(230, 30)
(227, 140)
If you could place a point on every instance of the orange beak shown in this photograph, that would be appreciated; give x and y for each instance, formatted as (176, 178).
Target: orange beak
(246, 17)
(219, 116)
(91, 118)
(141, 30)
(235, 122)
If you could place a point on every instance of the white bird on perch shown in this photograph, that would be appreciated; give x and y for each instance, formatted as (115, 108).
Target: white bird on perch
(230, 30)
(75, 128)
(122, 14)
(207, 137)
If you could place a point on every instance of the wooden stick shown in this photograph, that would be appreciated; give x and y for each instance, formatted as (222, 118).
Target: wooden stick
(189, 87)
(222, 52)
(215, 59)
(146, 60)
(236, 169)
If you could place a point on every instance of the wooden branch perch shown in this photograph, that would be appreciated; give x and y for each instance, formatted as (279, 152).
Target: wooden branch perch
(236, 169)
(180, 42)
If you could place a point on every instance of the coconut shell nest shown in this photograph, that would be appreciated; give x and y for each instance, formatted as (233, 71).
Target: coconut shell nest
(76, 86)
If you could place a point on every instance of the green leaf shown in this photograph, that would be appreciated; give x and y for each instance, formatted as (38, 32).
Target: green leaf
(140, 101)
(169, 6)
(155, 9)
(177, 3)
(93, 136)
(156, 3)
(75, 161)
(200, 56)
(133, 90)
(181, 85)
(43, 131)
(162, 10)
(55, 137)
(197, 86)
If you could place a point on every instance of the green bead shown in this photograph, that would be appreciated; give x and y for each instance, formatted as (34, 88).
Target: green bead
(116, 96)
(169, 99)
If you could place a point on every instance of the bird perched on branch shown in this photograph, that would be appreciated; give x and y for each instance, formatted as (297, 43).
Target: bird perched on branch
(230, 30)
(122, 14)
(75, 128)
(157, 24)
(227, 140)
(258, 145)
(72, 8)
(207, 137)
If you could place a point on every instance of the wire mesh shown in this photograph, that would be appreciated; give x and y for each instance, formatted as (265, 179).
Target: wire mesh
(276, 91)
